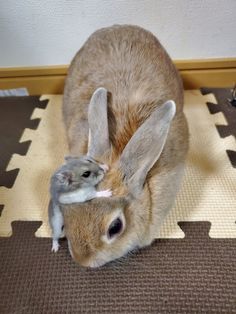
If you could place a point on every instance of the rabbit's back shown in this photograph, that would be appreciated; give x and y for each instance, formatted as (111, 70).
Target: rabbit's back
(133, 66)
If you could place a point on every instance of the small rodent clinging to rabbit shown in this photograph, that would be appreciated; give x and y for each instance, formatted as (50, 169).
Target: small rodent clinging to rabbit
(123, 104)
(73, 182)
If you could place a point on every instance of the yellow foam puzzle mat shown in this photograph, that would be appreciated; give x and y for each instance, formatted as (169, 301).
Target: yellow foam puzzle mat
(207, 193)
(29, 197)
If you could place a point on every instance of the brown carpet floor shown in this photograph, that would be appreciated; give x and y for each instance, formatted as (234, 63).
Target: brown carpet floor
(191, 275)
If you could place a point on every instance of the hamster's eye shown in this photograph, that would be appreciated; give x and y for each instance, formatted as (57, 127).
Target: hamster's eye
(115, 228)
(86, 174)
(70, 181)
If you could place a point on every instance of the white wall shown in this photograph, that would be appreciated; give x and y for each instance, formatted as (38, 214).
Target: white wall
(47, 32)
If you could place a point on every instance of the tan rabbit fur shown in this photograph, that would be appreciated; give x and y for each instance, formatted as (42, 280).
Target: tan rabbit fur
(129, 63)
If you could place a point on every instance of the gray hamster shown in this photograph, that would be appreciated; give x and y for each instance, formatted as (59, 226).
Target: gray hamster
(74, 182)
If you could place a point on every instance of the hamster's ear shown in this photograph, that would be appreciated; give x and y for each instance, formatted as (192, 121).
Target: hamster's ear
(64, 177)
(145, 146)
(98, 142)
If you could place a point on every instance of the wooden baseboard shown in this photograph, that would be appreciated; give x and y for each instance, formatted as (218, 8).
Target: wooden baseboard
(193, 79)
(50, 79)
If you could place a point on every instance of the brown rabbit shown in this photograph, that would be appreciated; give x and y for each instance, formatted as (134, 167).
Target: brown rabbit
(124, 89)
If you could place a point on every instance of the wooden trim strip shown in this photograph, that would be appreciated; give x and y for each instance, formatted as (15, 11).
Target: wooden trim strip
(194, 79)
(36, 85)
(34, 71)
(204, 64)
(62, 69)
(50, 79)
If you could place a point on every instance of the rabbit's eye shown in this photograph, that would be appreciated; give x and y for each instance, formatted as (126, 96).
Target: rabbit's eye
(115, 228)
(86, 174)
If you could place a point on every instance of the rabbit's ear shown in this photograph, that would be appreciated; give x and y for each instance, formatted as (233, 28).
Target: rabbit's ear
(98, 124)
(145, 146)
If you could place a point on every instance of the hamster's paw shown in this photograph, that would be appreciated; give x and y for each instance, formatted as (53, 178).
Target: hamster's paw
(55, 246)
(106, 193)
(65, 199)
(104, 167)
